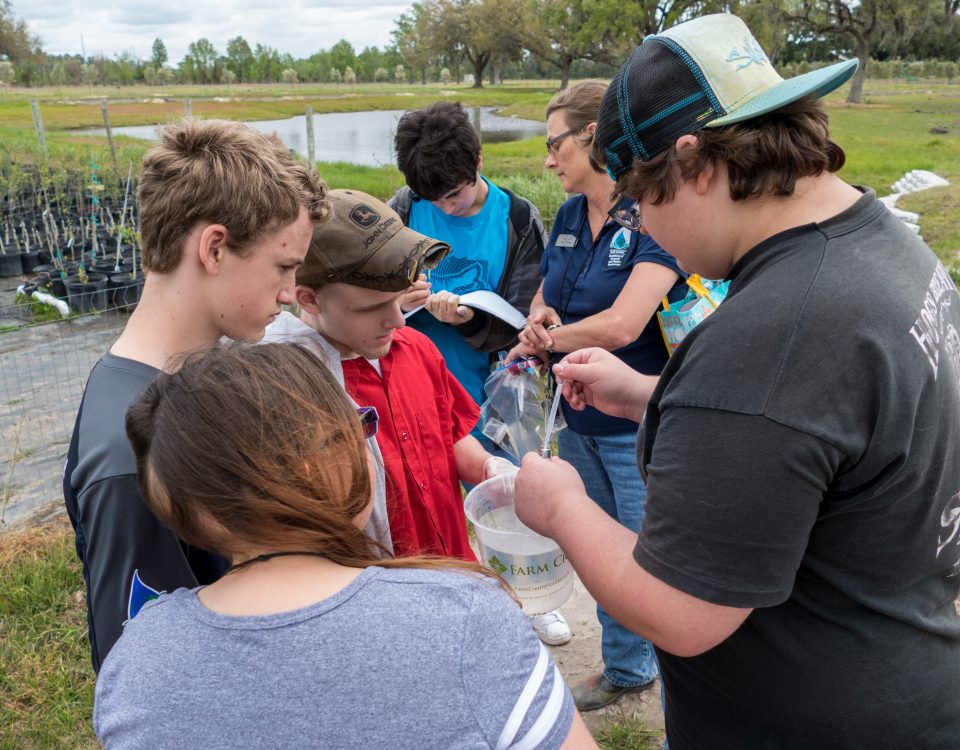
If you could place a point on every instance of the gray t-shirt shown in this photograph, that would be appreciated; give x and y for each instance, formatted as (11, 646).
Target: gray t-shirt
(400, 658)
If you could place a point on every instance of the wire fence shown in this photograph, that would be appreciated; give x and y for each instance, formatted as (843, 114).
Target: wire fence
(45, 359)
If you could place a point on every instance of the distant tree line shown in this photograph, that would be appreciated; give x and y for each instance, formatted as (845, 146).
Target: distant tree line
(478, 40)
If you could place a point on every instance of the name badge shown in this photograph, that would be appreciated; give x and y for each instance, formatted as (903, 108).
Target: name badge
(567, 240)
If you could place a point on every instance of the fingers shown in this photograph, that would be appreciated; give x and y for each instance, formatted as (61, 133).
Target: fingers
(536, 337)
(416, 295)
(496, 466)
(544, 315)
(446, 307)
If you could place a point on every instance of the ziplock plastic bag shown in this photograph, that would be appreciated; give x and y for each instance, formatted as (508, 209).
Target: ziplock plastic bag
(515, 413)
(678, 319)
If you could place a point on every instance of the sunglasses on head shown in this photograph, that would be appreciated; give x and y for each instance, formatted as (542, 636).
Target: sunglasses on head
(628, 218)
(369, 420)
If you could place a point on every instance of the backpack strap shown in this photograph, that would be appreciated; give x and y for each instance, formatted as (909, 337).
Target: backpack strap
(519, 212)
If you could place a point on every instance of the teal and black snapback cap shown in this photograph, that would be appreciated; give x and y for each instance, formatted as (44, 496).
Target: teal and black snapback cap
(704, 73)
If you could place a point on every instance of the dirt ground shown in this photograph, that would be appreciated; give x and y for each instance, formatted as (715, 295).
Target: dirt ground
(580, 658)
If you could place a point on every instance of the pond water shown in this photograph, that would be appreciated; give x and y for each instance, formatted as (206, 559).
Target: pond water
(365, 137)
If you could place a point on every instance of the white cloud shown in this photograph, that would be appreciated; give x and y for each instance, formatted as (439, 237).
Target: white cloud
(300, 27)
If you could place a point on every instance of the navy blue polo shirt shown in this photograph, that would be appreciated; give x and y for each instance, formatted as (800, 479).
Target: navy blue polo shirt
(582, 278)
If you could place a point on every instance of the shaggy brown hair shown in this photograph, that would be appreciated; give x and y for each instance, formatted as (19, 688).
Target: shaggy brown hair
(437, 149)
(225, 173)
(763, 156)
(258, 447)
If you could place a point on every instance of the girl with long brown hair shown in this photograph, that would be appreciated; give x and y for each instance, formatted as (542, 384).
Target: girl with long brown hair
(309, 639)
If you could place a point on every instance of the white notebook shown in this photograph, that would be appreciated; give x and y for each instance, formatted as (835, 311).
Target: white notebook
(489, 302)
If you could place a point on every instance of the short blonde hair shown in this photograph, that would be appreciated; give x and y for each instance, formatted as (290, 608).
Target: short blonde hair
(225, 173)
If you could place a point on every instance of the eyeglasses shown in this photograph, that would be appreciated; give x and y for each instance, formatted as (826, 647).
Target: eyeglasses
(369, 420)
(628, 218)
(553, 144)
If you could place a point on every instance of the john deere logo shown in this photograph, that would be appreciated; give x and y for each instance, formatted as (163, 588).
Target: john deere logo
(496, 565)
(364, 216)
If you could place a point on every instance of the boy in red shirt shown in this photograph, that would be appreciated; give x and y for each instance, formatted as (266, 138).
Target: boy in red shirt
(349, 288)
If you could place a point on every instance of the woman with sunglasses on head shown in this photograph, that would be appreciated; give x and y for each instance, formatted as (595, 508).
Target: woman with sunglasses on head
(309, 640)
(603, 281)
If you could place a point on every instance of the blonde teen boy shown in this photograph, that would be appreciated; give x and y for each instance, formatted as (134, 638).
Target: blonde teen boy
(226, 216)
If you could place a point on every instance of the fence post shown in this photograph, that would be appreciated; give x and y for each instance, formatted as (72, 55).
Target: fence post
(311, 150)
(106, 125)
(476, 123)
(38, 125)
(188, 107)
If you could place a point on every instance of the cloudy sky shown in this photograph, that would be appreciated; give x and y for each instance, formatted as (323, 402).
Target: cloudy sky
(300, 27)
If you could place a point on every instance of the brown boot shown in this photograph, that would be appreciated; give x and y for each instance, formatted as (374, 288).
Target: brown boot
(597, 691)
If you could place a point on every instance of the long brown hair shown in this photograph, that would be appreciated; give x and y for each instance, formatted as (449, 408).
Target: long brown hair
(258, 447)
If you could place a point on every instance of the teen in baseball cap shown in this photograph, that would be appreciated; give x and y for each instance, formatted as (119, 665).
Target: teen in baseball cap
(365, 244)
(704, 73)
(787, 443)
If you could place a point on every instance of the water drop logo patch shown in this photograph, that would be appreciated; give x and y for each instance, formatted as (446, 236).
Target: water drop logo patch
(140, 594)
(618, 248)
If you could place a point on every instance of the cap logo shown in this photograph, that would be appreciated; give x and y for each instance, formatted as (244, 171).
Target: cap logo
(364, 216)
(752, 53)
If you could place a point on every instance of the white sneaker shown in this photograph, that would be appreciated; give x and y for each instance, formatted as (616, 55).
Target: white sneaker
(551, 628)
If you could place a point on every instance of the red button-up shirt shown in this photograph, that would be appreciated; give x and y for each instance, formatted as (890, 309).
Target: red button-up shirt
(423, 412)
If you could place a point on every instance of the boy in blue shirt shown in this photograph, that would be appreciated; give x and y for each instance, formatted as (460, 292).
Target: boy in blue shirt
(496, 240)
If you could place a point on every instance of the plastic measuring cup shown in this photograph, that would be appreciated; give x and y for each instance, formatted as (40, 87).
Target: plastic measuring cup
(533, 565)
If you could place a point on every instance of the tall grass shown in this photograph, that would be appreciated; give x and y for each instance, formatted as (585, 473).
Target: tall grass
(46, 681)
(380, 182)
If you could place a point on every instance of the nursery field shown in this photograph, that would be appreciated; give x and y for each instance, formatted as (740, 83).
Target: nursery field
(900, 126)
(72, 212)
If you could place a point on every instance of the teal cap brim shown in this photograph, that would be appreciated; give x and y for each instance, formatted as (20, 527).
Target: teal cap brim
(817, 82)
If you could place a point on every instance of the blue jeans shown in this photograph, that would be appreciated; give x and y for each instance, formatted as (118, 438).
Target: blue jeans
(607, 464)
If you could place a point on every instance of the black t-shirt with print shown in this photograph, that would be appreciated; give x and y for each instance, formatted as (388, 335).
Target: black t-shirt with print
(801, 453)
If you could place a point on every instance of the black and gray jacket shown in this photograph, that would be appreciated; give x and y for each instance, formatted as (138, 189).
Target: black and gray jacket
(521, 270)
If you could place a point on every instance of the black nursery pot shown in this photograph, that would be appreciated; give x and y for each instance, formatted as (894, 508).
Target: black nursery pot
(30, 261)
(106, 267)
(125, 290)
(87, 296)
(58, 287)
(10, 264)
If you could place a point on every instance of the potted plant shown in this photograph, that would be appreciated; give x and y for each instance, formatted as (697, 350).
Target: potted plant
(86, 292)
(127, 285)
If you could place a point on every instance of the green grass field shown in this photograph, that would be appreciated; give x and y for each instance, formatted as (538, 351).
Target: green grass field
(46, 682)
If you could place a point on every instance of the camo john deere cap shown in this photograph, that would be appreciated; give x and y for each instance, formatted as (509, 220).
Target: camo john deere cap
(364, 243)
(707, 72)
